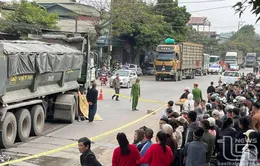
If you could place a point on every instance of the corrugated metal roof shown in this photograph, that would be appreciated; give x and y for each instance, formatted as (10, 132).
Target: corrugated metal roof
(55, 1)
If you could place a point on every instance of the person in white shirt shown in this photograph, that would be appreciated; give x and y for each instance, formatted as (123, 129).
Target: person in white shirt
(188, 105)
(249, 154)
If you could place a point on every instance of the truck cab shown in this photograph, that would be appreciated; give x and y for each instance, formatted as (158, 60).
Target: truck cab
(231, 58)
(166, 61)
(250, 59)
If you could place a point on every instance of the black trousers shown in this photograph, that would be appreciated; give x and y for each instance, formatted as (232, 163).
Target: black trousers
(117, 91)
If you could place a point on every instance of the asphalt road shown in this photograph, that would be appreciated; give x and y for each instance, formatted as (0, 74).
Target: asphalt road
(114, 114)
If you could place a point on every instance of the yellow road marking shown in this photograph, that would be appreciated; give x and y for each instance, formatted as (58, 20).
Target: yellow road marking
(75, 144)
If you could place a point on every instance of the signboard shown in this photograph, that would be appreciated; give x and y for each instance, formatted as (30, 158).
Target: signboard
(165, 48)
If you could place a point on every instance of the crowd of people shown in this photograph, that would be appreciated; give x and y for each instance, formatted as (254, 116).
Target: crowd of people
(220, 130)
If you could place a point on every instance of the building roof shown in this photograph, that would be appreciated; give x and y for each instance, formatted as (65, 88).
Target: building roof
(198, 21)
(80, 9)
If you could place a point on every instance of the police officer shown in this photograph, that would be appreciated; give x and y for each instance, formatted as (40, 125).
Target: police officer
(135, 94)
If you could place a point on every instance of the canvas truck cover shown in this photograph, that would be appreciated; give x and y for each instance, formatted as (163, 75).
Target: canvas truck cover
(38, 57)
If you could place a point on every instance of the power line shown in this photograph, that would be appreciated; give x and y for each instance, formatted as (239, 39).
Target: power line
(207, 9)
(202, 1)
(133, 3)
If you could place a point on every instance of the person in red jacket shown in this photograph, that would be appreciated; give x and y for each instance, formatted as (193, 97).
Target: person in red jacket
(159, 154)
(125, 154)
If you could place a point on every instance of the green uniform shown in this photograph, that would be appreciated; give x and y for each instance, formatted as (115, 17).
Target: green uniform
(197, 94)
(135, 93)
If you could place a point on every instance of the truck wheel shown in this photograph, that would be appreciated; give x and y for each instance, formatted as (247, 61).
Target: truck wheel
(24, 124)
(9, 130)
(156, 78)
(37, 116)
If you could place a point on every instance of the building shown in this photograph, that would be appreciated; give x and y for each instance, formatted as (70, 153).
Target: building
(198, 22)
(73, 17)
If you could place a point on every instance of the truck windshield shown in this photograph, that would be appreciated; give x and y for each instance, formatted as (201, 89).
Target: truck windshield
(166, 56)
(213, 59)
(231, 58)
(250, 58)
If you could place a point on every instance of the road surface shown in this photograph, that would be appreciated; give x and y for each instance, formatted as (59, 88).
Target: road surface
(114, 114)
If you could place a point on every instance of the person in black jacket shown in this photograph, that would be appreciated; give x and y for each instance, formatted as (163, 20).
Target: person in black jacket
(87, 157)
(92, 96)
(211, 88)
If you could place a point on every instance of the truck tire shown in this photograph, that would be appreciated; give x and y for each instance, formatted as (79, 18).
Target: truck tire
(9, 131)
(157, 78)
(24, 123)
(65, 108)
(38, 118)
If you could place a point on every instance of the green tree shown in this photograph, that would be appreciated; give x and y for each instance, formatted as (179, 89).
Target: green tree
(138, 22)
(242, 5)
(211, 46)
(174, 15)
(28, 18)
(244, 40)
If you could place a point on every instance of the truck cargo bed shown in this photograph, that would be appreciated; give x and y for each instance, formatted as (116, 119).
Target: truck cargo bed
(192, 56)
(31, 69)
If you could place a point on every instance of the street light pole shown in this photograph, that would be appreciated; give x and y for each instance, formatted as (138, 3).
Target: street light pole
(110, 33)
(240, 24)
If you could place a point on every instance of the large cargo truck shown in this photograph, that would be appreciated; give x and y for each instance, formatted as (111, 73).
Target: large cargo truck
(214, 59)
(177, 60)
(250, 59)
(38, 80)
(231, 58)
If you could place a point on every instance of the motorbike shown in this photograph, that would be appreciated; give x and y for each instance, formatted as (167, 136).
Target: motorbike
(103, 79)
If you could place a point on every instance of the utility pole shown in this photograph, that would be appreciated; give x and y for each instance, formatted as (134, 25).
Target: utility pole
(110, 47)
(240, 24)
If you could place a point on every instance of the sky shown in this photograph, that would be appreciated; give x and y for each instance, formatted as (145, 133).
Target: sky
(222, 19)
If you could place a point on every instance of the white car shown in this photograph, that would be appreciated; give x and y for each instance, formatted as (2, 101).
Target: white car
(135, 68)
(230, 77)
(215, 68)
(234, 67)
(127, 78)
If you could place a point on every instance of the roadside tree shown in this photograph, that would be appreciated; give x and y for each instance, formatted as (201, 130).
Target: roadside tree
(28, 17)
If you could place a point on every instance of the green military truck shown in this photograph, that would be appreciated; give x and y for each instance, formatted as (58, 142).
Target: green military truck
(38, 80)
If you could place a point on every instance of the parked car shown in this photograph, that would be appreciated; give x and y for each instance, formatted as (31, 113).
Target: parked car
(230, 77)
(135, 68)
(215, 68)
(127, 78)
(148, 71)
